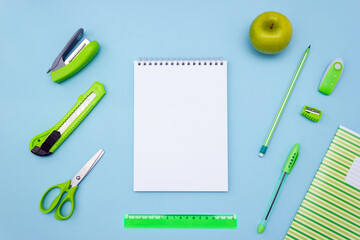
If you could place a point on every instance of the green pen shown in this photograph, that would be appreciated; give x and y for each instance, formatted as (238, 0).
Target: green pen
(289, 164)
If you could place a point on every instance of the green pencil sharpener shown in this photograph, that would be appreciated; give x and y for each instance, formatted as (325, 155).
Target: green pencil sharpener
(311, 113)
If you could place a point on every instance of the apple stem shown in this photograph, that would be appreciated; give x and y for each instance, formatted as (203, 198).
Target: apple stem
(272, 25)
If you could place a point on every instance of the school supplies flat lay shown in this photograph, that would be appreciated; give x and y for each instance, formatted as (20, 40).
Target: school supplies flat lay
(264, 147)
(331, 208)
(180, 125)
(65, 64)
(288, 166)
(47, 142)
(180, 221)
(181, 139)
(69, 189)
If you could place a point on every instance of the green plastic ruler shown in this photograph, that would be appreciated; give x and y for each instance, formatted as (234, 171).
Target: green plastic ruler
(179, 221)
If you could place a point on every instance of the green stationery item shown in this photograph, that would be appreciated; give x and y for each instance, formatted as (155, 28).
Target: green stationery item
(331, 208)
(331, 76)
(283, 104)
(47, 142)
(69, 187)
(69, 62)
(288, 166)
(311, 113)
(180, 221)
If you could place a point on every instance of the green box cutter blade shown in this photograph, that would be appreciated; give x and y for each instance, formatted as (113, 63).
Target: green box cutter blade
(62, 68)
(47, 142)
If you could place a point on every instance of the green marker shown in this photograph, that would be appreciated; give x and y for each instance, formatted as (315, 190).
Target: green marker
(289, 164)
(283, 104)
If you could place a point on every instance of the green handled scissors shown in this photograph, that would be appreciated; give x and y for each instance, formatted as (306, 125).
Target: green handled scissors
(69, 187)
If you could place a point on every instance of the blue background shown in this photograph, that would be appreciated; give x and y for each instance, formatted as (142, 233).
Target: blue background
(34, 32)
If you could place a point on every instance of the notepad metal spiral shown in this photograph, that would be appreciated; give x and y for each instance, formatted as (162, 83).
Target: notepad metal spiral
(180, 61)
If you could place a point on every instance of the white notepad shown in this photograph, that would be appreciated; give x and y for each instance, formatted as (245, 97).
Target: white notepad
(353, 176)
(180, 126)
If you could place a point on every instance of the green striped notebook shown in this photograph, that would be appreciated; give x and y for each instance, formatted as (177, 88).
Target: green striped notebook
(331, 208)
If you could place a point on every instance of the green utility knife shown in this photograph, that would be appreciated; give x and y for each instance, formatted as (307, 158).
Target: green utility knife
(47, 142)
(331, 76)
(62, 68)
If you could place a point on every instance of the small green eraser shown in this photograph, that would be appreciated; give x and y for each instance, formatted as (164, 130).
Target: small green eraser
(331, 76)
(311, 113)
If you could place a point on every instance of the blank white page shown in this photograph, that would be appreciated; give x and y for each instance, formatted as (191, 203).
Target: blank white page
(180, 126)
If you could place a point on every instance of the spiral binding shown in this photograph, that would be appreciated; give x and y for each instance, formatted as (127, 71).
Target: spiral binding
(180, 61)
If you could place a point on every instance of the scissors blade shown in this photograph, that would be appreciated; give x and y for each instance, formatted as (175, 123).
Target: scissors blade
(86, 168)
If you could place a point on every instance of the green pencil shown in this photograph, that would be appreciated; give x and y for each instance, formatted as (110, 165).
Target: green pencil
(283, 104)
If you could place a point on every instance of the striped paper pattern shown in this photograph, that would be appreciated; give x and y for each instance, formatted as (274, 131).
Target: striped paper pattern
(331, 208)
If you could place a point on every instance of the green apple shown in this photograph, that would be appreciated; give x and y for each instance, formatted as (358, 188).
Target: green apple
(270, 32)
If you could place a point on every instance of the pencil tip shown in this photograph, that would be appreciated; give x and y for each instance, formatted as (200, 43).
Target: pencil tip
(309, 46)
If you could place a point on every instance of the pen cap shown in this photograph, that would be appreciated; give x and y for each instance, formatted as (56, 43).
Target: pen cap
(291, 160)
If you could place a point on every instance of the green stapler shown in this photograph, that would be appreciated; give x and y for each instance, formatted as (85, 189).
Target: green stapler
(69, 62)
